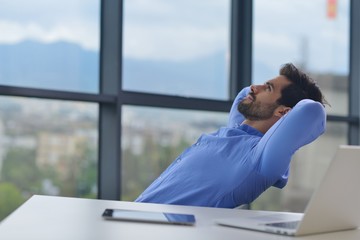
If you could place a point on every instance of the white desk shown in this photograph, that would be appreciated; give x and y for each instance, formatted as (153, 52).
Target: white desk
(55, 218)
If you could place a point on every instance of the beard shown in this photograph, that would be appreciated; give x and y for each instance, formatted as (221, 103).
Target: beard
(256, 111)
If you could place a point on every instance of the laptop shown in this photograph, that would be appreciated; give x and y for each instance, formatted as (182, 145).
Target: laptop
(334, 205)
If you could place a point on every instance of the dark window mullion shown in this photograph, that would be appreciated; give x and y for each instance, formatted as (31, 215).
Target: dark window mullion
(354, 76)
(56, 95)
(167, 101)
(109, 173)
(241, 45)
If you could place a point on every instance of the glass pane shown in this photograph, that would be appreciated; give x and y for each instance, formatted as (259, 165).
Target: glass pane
(177, 47)
(152, 138)
(313, 35)
(50, 44)
(46, 147)
(307, 169)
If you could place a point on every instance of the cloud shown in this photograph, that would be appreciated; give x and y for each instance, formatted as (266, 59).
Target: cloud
(47, 21)
(174, 44)
(156, 29)
(85, 36)
(175, 30)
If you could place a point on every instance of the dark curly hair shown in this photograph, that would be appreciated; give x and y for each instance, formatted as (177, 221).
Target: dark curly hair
(301, 87)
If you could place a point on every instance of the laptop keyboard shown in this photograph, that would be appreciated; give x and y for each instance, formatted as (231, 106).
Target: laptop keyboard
(288, 225)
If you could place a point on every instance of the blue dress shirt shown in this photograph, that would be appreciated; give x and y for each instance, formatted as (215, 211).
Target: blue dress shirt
(234, 165)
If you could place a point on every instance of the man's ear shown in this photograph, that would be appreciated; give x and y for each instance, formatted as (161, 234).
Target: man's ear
(281, 111)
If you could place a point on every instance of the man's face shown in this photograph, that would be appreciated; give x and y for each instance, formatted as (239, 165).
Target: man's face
(261, 102)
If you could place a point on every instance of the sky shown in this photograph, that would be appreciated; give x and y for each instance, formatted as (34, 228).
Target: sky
(303, 32)
(49, 21)
(175, 30)
(181, 30)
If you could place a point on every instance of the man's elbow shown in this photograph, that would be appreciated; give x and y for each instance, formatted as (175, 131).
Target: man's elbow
(316, 113)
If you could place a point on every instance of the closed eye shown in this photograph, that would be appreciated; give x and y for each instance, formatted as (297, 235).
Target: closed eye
(269, 86)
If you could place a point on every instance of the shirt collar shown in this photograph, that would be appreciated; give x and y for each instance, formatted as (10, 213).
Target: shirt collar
(250, 130)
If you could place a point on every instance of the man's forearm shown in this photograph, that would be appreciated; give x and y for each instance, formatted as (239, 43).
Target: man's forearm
(235, 117)
(302, 125)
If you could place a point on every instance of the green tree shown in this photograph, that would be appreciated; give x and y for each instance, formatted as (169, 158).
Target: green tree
(10, 199)
(81, 176)
(87, 177)
(19, 168)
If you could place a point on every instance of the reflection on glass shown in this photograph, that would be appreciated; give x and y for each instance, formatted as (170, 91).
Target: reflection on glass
(152, 138)
(50, 45)
(46, 147)
(307, 169)
(177, 47)
(307, 34)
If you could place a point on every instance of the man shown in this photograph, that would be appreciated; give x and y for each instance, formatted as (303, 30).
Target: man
(233, 166)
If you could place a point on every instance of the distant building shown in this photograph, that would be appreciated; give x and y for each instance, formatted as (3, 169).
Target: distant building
(60, 151)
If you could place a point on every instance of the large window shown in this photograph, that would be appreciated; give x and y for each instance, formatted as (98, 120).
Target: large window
(47, 147)
(97, 97)
(50, 45)
(314, 35)
(305, 33)
(178, 47)
(48, 137)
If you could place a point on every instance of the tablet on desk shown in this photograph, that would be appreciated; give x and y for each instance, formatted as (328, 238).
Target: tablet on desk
(147, 216)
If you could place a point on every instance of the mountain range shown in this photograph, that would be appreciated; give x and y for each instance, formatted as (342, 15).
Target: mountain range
(67, 66)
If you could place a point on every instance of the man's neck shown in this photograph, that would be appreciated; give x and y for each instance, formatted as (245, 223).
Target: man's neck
(261, 125)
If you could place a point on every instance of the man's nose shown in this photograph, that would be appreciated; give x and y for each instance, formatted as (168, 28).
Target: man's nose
(255, 88)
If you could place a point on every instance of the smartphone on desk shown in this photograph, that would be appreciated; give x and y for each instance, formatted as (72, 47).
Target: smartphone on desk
(147, 216)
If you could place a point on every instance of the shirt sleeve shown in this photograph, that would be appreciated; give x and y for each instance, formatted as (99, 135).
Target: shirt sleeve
(300, 126)
(235, 117)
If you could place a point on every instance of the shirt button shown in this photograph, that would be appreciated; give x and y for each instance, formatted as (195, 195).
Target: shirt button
(178, 160)
(197, 144)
